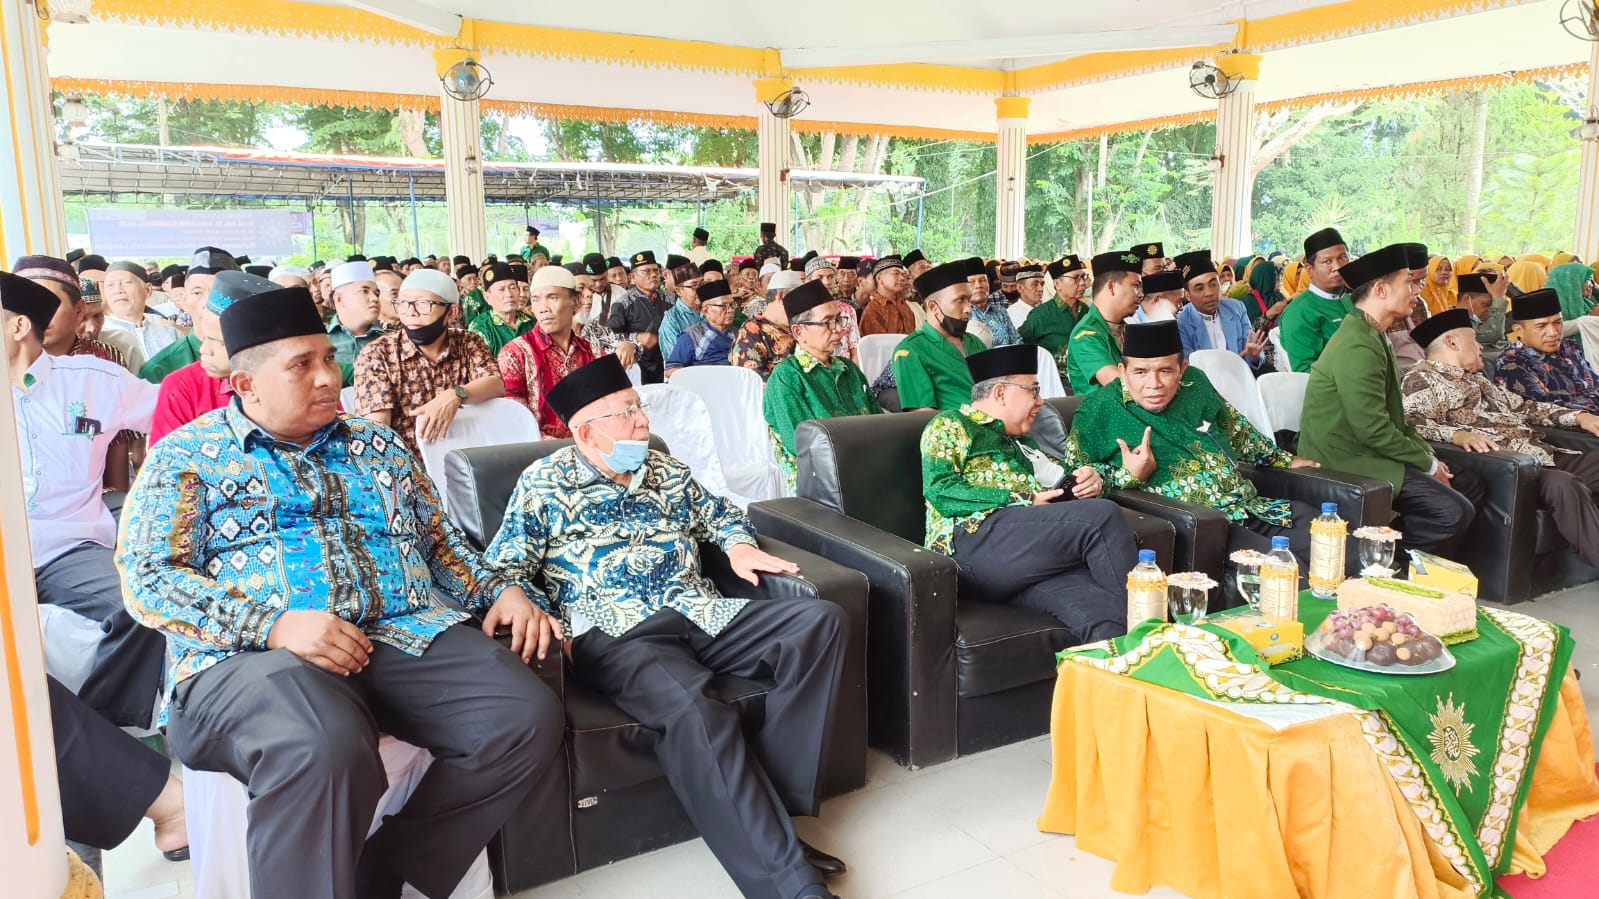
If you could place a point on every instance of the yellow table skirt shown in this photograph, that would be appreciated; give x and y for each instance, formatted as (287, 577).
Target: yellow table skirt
(1183, 793)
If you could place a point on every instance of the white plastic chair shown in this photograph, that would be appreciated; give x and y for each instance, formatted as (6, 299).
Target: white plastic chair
(875, 351)
(1283, 395)
(1049, 382)
(743, 441)
(347, 399)
(1231, 376)
(634, 375)
(491, 423)
(681, 418)
(216, 807)
(1278, 354)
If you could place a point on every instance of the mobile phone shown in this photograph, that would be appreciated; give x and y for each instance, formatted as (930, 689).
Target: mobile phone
(1067, 482)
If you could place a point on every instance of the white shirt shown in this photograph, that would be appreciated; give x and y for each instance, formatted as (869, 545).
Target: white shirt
(1218, 337)
(700, 255)
(1018, 312)
(155, 334)
(67, 415)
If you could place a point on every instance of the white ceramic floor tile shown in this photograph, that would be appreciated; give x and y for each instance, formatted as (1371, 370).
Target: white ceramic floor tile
(997, 878)
(1060, 864)
(995, 799)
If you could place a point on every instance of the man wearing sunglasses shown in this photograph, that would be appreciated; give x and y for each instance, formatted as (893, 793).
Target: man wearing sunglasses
(415, 379)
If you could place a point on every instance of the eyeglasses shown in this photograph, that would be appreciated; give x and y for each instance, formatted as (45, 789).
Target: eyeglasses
(1030, 388)
(416, 306)
(639, 409)
(704, 306)
(832, 324)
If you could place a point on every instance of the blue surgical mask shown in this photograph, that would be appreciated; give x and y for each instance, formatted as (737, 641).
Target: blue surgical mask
(626, 455)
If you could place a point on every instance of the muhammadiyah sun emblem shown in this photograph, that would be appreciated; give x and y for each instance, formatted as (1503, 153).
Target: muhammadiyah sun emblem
(1452, 750)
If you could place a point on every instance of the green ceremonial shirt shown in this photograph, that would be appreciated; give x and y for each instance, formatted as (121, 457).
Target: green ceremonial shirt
(1309, 321)
(496, 332)
(527, 251)
(347, 346)
(1355, 412)
(1197, 440)
(1050, 326)
(970, 469)
(930, 373)
(800, 389)
(1092, 347)
(473, 304)
(175, 356)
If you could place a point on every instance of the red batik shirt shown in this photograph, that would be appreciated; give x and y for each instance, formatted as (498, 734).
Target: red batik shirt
(531, 364)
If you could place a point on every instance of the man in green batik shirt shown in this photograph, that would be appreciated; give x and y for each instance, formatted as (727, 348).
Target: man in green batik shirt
(1163, 428)
(930, 363)
(1311, 319)
(1094, 351)
(532, 247)
(504, 320)
(814, 382)
(994, 505)
(1050, 324)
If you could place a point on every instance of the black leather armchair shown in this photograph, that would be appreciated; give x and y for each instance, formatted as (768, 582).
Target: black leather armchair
(947, 678)
(619, 803)
(1202, 531)
(1513, 546)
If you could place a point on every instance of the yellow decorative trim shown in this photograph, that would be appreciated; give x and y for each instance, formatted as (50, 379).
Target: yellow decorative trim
(1239, 65)
(769, 89)
(1475, 82)
(919, 76)
(1012, 107)
(250, 93)
(274, 17)
(445, 59)
(1095, 67)
(1354, 17)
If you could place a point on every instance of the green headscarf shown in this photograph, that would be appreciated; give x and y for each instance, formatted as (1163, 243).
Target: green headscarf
(1240, 286)
(1567, 281)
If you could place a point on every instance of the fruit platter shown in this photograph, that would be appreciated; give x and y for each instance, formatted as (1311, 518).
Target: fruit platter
(1380, 640)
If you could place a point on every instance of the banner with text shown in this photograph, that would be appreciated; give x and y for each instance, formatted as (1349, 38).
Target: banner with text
(164, 233)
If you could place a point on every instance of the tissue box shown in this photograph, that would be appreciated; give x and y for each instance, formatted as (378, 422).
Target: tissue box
(1276, 640)
(1442, 574)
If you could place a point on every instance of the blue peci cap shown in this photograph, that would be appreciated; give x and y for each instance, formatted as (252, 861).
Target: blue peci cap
(1329, 508)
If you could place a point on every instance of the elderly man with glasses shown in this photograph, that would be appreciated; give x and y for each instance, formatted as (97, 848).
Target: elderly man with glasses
(416, 378)
(710, 341)
(816, 381)
(611, 529)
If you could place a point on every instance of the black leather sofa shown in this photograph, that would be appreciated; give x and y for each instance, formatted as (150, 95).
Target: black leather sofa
(1202, 531)
(618, 804)
(947, 678)
(1513, 546)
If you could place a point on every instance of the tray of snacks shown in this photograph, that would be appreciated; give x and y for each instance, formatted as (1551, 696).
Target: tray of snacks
(1380, 640)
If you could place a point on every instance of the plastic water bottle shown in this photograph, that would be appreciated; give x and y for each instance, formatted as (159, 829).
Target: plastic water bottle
(1328, 535)
(1146, 590)
(1279, 582)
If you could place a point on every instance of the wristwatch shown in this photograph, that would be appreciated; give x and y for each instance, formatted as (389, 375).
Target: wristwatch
(461, 394)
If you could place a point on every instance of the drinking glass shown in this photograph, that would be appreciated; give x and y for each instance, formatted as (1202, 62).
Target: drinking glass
(1246, 568)
(1377, 546)
(1188, 593)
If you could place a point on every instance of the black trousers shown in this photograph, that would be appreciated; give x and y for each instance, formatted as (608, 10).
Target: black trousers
(126, 678)
(107, 779)
(304, 743)
(1069, 559)
(1435, 518)
(1255, 534)
(1567, 491)
(658, 672)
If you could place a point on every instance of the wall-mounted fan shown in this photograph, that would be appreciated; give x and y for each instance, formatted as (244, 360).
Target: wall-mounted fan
(789, 104)
(467, 80)
(1210, 82)
(1580, 18)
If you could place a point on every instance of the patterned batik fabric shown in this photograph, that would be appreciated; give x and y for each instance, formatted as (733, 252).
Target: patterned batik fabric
(1563, 377)
(1197, 441)
(393, 375)
(227, 528)
(996, 316)
(759, 345)
(530, 365)
(1443, 399)
(611, 555)
(970, 469)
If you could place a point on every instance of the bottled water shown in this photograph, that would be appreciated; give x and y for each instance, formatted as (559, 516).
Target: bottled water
(1328, 537)
(1279, 582)
(1146, 590)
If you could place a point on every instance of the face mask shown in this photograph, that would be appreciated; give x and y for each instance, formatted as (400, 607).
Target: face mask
(954, 327)
(425, 335)
(626, 455)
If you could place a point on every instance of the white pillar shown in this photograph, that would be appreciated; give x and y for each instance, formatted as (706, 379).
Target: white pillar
(1231, 212)
(1010, 191)
(775, 197)
(461, 128)
(1586, 242)
(32, 219)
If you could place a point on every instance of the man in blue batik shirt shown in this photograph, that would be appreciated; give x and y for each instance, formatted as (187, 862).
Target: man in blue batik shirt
(291, 555)
(612, 528)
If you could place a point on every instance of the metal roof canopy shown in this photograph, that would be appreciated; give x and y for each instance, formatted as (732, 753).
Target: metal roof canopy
(210, 172)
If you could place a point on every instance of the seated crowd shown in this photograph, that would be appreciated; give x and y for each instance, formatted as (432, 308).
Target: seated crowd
(285, 585)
